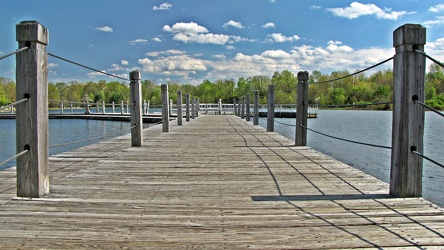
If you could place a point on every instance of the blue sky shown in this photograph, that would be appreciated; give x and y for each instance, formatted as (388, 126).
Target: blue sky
(188, 41)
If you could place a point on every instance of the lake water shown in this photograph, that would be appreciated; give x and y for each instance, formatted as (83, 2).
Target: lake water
(372, 127)
(367, 126)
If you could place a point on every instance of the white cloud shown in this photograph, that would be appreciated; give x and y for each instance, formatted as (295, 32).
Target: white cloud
(276, 54)
(315, 7)
(194, 33)
(178, 65)
(165, 52)
(95, 74)
(437, 8)
(164, 6)
(357, 9)
(438, 21)
(138, 41)
(157, 39)
(337, 46)
(279, 38)
(185, 28)
(105, 29)
(234, 24)
(124, 62)
(51, 65)
(268, 25)
(230, 47)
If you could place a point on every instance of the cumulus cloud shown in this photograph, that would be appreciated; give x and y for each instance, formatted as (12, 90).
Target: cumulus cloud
(157, 39)
(437, 8)
(234, 24)
(279, 38)
(268, 25)
(176, 64)
(164, 6)
(438, 21)
(194, 33)
(138, 41)
(315, 7)
(124, 62)
(51, 65)
(105, 29)
(357, 9)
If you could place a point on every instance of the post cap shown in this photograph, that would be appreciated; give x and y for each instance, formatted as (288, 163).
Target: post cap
(31, 31)
(409, 34)
(134, 75)
(302, 75)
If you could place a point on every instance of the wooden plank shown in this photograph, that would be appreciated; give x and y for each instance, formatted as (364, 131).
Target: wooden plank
(237, 187)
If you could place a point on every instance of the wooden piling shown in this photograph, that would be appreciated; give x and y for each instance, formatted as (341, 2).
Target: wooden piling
(136, 109)
(165, 109)
(193, 106)
(179, 108)
(256, 108)
(302, 109)
(247, 107)
(270, 110)
(408, 117)
(187, 109)
(32, 116)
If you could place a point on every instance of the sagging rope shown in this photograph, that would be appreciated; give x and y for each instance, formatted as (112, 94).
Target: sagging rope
(429, 57)
(14, 157)
(427, 158)
(351, 141)
(357, 72)
(14, 104)
(86, 67)
(428, 107)
(13, 53)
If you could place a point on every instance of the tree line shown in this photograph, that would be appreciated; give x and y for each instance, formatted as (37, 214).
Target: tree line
(358, 89)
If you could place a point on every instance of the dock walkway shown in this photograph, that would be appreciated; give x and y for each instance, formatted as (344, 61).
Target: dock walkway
(216, 182)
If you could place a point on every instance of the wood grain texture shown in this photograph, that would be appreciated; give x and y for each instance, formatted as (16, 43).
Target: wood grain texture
(236, 187)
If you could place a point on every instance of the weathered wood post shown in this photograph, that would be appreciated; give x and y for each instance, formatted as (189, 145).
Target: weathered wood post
(71, 108)
(144, 106)
(147, 107)
(103, 107)
(193, 106)
(248, 111)
(114, 107)
(243, 108)
(97, 107)
(187, 109)
(408, 117)
(302, 109)
(197, 107)
(270, 110)
(32, 116)
(136, 109)
(61, 107)
(127, 107)
(165, 109)
(170, 107)
(234, 107)
(256, 108)
(179, 108)
(219, 106)
(239, 104)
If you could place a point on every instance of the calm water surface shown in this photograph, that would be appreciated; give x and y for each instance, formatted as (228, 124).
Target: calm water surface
(372, 127)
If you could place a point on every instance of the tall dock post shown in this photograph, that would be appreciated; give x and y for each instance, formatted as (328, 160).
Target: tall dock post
(408, 117)
(179, 108)
(197, 106)
(239, 105)
(270, 111)
(32, 116)
(256, 108)
(136, 109)
(193, 106)
(243, 107)
(247, 107)
(187, 110)
(234, 107)
(302, 109)
(165, 109)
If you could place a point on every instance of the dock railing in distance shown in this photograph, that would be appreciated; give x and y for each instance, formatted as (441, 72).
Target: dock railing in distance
(408, 118)
(179, 108)
(136, 109)
(302, 109)
(32, 116)
(270, 111)
(165, 109)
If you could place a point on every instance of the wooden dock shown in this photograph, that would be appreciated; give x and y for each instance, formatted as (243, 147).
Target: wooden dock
(216, 182)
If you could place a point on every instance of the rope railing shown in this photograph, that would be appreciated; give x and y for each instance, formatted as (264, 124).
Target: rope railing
(14, 157)
(347, 140)
(427, 158)
(86, 67)
(350, 75)
(13, 53)
(429, 57)
(428, 107)
(351, 105)
(13, 104)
